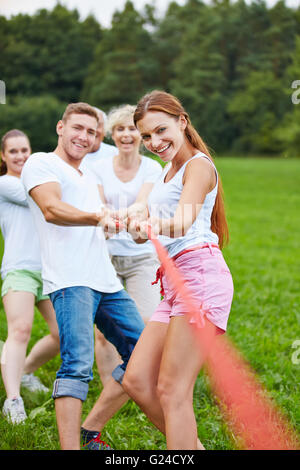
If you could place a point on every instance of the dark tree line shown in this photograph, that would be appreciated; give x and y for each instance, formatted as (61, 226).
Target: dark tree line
(232, 64)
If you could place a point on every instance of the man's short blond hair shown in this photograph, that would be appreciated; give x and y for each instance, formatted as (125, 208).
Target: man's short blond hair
(80, 108)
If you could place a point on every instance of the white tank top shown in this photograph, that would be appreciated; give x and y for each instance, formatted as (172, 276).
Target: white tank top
(163, 202)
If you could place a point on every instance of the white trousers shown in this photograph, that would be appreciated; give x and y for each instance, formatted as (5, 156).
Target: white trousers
(136, 274)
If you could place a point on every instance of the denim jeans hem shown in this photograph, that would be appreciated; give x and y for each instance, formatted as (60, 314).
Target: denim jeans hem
(70, 388)
(118, 374)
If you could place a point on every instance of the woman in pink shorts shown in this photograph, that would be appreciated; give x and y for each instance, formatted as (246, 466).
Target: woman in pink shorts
(186, 210)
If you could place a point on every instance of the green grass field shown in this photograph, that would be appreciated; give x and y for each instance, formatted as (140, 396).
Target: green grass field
(263, 199)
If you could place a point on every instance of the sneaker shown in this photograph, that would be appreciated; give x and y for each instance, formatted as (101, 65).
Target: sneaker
(13, 410)
(33, 383)
(96, 444)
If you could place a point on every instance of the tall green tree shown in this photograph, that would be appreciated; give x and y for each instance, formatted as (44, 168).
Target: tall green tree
(259, 101)
(201, 73)
(49, 53)
(37, 117)
(168, 36)
(230, 62)
(256, 110)
(123, 67)
(288, 128)
(281, 36)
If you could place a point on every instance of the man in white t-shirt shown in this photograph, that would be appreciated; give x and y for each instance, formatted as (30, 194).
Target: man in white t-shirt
(78, 275)
(100, 149)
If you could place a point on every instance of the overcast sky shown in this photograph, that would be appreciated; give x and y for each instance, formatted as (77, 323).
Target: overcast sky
(102, 9)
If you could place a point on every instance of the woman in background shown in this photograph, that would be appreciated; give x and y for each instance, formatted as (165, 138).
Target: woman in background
(22, 282)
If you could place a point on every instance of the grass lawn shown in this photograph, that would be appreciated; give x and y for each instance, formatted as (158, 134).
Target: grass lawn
(263, 199)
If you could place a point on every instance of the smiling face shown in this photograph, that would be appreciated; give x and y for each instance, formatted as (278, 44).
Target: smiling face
(15, 153)
(126, 136)
(76, 137)
(162, 134)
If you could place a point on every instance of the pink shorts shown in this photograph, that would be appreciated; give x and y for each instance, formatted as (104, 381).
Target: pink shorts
(209, 281)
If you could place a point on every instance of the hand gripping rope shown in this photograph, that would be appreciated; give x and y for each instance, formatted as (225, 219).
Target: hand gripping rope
(255, 420)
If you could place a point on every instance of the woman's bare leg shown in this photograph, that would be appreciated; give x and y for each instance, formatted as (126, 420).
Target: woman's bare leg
(19, 309)
(141, 376)
(140, 379)
(47, 347)
(180, 365)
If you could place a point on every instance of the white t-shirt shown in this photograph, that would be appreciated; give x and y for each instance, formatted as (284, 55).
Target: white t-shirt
(21, 243)
(119, 195)
(71, 256)
(91, 159)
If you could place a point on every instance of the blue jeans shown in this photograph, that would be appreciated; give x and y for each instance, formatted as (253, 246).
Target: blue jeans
(77, 309)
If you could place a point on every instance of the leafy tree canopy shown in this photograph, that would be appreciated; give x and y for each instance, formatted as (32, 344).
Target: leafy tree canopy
(231, 63)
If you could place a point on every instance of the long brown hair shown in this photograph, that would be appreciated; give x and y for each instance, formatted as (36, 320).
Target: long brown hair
(169, 104)
(11, 133)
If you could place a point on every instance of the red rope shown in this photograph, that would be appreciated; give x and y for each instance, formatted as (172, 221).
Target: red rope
(245, 404)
